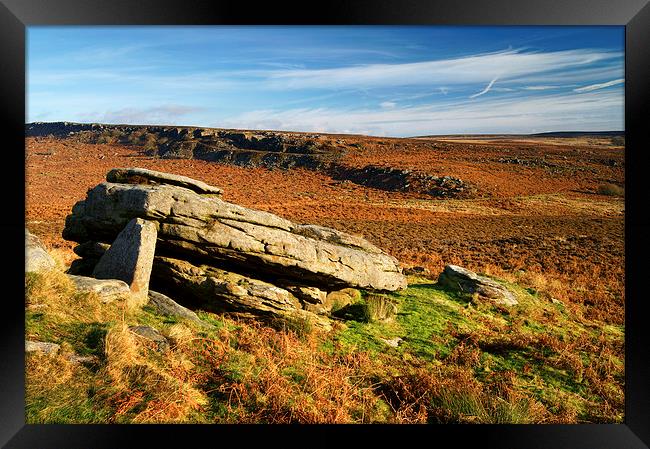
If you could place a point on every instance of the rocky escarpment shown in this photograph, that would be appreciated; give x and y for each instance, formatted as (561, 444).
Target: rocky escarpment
(269, 149)
(224, 256)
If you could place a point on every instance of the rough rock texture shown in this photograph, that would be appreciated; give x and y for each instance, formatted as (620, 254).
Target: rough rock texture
(130, 257)
(164, 305)
(107, 289)
(217, 231)
(40, 346)
(152, 335)
(144, 176)
(36, 256)
(223, 291)
(461, 279)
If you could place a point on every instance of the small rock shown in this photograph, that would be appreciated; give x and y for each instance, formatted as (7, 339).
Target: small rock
(41, 346)
(394, 342)
(152, 335)
(167, 306)
(466, 281)
(318, 309)
(137, 175)
(108, 290)
(76, 358)
(36, 256)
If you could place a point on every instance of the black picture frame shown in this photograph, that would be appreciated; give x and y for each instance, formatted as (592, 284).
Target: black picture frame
(16, 15)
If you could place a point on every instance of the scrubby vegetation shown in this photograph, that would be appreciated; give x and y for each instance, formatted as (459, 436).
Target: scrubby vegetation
(458, 360)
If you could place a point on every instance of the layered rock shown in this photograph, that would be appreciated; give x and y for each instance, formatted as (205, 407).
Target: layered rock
(218, 231)
(221, 291)
(226, 257)
(466, 281)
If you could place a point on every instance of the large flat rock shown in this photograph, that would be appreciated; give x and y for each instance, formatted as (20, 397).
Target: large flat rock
(145, 176)
(217, 232)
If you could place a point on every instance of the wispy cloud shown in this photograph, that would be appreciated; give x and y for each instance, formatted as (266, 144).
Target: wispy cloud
(600, 85)
(594, 111)
(540, 87)
(506, 65)
(486, 90)
(387, 104)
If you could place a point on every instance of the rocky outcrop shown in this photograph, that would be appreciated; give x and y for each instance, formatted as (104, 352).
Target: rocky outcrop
(402, 180)
(36, 256)
(130, 257)
(270, 149)
(462, 280)
(221, 232)
(226, 257)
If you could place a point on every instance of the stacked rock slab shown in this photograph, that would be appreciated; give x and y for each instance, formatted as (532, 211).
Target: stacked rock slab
(245, 261)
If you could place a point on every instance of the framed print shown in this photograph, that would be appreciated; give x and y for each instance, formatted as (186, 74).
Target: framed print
(371, 220)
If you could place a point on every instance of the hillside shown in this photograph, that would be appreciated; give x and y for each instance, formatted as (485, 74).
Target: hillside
(543, 217)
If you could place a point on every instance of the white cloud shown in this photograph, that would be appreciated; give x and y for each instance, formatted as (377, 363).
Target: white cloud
(506, 65)
(599, 86)
(560, 112)
(388, 104)
(540, 87)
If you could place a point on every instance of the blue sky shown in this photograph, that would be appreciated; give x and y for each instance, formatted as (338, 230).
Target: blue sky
(384, 81)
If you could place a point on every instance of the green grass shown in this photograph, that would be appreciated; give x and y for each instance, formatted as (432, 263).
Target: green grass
(427, 313)
(543, 352)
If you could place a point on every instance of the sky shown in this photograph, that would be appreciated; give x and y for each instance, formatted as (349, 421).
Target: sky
(376, 80)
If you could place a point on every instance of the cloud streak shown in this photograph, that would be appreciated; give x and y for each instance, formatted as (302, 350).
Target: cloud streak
(599, 86)
(560, 112)
(469, 69)
(486, 90)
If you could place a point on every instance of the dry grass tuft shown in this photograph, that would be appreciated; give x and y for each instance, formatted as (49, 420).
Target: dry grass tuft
(148, 387)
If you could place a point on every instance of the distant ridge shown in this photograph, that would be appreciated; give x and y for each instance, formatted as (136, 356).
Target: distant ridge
(546, 134)
(580, 133)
